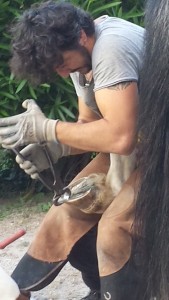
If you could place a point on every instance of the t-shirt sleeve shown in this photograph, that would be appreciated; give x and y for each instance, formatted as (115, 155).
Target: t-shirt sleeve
(114, 60)
(75, 80)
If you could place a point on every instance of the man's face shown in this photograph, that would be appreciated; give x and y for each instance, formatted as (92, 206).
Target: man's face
(75, 61)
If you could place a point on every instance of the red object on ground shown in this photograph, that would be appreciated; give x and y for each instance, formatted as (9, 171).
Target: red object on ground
(12, 238)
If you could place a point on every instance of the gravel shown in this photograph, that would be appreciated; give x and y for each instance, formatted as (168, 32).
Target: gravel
(67, 286)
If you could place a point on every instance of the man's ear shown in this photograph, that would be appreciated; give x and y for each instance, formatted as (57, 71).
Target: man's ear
(83, 38)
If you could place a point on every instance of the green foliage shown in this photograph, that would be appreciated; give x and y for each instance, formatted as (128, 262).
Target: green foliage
(57, 100)
(6, 161)
(129, 10)
(11, 177)
(16, 204)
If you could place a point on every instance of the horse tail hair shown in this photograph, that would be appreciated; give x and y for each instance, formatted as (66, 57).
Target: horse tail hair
(152, 207)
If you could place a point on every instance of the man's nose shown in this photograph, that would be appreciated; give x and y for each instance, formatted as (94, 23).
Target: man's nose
(63, 72)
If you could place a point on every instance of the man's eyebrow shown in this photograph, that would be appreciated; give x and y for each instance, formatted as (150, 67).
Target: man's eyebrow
(64, 66)
(75, 70)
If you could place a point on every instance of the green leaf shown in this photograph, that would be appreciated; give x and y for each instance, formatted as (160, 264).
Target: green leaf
(46, 85)
(20, 86)
(11, 76)
(8, 95)
(68, 112)
(4, 46)
(65, 87)
(61, 115)
(133, 15)
(104, 7)
(3, 113)
(51, 114)
(32, 92)
(5, 4)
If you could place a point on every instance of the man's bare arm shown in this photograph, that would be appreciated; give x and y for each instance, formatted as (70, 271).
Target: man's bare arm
(85, 115)
(115, 131)
(120, 86)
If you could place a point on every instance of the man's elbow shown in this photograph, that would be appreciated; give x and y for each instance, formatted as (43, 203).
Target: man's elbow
(127, 149)
(128, 143)
(125, 145)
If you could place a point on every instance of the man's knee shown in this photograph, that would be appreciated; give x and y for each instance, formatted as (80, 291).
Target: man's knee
(111, 233)
(114, 229)
(83, 255)
(113, 245)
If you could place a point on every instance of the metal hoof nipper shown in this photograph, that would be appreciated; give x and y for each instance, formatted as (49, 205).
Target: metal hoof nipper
(90, 194)
(55, 185)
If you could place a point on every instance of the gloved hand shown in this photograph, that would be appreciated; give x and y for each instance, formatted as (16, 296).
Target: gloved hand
(8, 287)
(36, 160)
(29, 127)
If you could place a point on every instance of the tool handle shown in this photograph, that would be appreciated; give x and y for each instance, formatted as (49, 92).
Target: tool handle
(12, 238)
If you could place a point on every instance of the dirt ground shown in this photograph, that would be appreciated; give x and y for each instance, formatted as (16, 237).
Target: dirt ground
(67, 286)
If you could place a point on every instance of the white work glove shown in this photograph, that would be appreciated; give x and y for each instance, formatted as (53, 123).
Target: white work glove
(29, 127)
(36, 160)
(9, 290)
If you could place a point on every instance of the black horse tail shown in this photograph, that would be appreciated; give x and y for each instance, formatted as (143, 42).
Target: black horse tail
(152, 208)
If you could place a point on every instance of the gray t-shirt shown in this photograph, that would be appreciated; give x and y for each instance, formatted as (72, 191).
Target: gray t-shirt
(116, 57)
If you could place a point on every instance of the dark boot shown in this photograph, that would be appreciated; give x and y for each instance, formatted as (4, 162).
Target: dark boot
(39, 274)
(84, 258)
(123, 285)
(93, 295)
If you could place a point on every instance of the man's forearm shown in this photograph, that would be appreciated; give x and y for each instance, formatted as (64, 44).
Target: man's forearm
(94, 136)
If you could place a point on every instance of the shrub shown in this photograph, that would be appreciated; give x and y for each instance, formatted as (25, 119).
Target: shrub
(57, 100)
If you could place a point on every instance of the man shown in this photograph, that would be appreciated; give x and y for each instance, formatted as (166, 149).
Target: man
(103, 59)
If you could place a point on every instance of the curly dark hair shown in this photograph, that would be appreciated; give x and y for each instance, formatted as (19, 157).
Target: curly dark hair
(40, 36)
